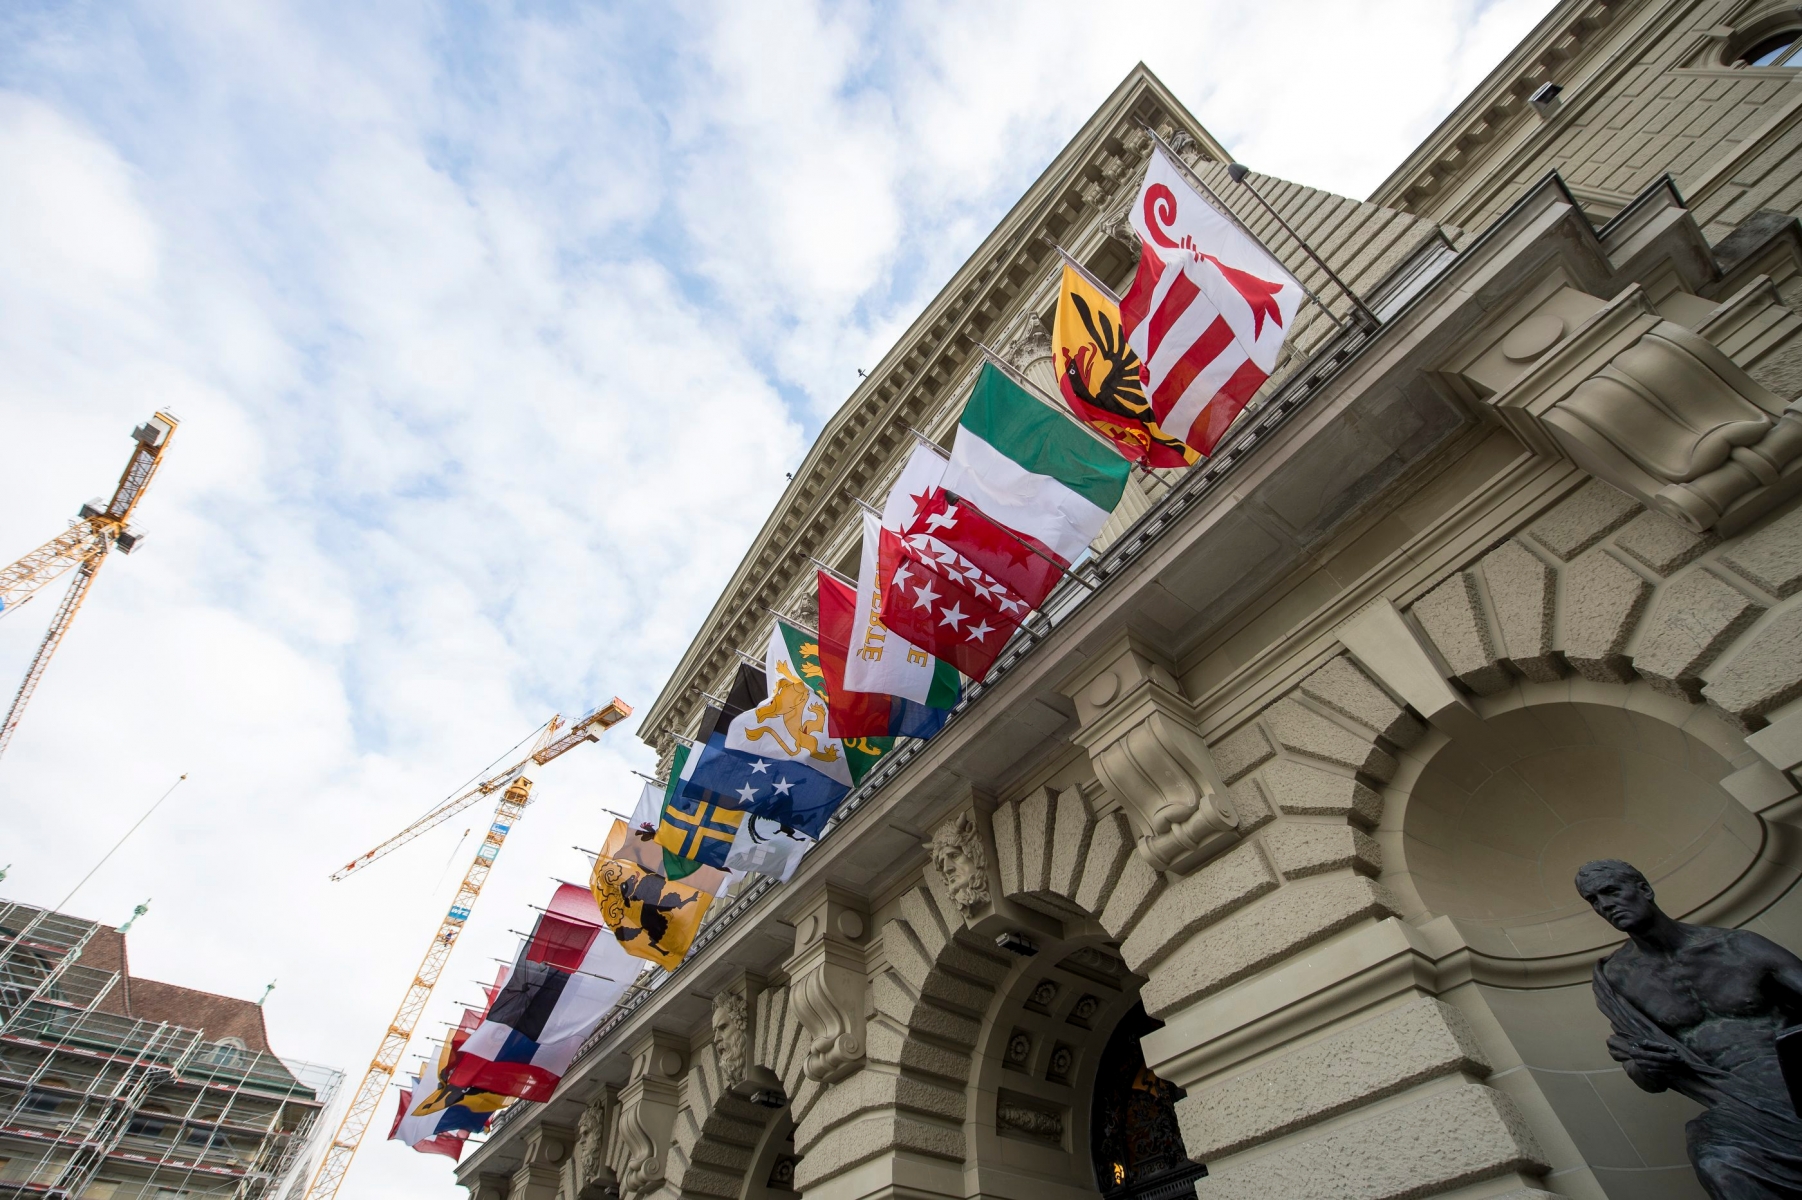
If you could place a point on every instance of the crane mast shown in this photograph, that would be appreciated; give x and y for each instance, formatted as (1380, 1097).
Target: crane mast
(517, 794)
(98, 528)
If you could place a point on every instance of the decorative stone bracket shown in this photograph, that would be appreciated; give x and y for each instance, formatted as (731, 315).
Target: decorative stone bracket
(540, 1173)
(647, 1113)
(1146, 750)
(1646, 405)
(827, 983)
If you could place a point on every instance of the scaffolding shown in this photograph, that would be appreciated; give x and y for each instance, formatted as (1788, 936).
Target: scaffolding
(96, 1105)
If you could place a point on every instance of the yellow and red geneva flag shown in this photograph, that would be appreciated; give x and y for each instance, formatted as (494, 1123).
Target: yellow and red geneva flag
(1099, 375)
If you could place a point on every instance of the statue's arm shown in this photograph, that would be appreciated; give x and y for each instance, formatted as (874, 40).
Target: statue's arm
(1784, 974)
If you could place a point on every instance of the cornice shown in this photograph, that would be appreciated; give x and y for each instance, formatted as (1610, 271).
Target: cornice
(910, 384)
(1498, 105)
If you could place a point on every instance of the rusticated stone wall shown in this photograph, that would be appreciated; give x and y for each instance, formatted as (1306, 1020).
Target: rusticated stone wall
(1615, 592)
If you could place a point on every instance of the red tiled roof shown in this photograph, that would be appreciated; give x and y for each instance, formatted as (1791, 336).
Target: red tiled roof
(219, 1016)
(216, 1016)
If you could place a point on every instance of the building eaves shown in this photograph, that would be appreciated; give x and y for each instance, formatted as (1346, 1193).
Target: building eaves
(869, 429)
(1497, 104)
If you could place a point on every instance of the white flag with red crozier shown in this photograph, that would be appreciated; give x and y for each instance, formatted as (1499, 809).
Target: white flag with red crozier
(1207, 311)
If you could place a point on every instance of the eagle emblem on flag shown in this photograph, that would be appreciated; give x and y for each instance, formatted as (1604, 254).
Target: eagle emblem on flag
(1102, 379)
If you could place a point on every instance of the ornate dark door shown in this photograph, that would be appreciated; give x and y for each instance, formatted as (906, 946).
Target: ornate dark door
(1133, 1135)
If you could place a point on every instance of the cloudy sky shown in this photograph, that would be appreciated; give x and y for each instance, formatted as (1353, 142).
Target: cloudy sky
(493, 330)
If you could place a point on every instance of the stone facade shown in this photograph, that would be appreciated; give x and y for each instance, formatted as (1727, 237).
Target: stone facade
(1304, 768)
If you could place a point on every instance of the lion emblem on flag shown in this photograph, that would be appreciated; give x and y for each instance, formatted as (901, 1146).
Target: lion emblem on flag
(803, 717)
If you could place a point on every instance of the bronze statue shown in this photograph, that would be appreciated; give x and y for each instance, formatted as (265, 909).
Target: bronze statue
(1697, 1010)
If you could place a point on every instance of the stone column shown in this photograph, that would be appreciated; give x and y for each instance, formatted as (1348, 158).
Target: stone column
(647, 1112)
(1030, 354)
(540, 1175)
(491, 1187)
(827, 984)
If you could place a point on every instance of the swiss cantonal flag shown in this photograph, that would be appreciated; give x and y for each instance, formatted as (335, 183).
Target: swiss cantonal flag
(959, 584)
(1207, 311)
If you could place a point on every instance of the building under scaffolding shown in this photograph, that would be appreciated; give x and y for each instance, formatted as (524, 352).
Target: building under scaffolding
(114, 1087)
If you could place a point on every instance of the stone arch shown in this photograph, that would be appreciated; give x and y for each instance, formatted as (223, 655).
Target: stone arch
(729, 1113)
(1614, 592)
(1301, 1067)
(1034, 1068)
(1488, 819)
(1049, 865)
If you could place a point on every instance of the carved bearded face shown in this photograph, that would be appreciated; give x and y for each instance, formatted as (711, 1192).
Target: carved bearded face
(956, 851)
(729, 1035)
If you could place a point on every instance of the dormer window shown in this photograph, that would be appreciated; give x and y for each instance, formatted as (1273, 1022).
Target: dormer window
(1778, 50)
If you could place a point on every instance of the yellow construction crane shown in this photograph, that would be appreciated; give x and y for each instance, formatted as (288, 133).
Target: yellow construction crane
(99, 527)
(517, 794)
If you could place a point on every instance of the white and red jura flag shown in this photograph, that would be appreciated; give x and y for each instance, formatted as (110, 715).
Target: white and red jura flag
(1208, 310)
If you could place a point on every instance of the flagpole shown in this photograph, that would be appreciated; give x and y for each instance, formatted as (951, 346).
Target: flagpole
(861, 503)
(755, 662)
(1238, 172)
(943, 453)
(1070, 260)
(847, 581)
(795, 621)
(1226, 211)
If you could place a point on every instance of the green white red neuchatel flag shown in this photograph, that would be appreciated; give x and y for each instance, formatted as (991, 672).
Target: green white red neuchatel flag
(1024, 494)
(1028, 467)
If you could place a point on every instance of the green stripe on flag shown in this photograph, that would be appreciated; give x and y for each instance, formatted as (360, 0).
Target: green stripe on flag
(862, 754)
(945, 687)
(1010, 419)
(675, 773)
(804, 655)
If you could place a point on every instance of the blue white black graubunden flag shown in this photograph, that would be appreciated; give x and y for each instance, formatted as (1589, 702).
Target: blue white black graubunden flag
(775, 758)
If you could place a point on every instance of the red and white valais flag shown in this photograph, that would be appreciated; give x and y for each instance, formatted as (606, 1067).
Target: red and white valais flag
(1208, 310)
(959, 584)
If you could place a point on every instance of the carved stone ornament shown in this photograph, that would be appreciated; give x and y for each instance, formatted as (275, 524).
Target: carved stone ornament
(730, 1028)
(827, 985)
(1648, 406)
(647, 1114)
(591, 1143)
(1144, 748)
(1118, 225)
(1183, 144)
(1029, 346)
(1034, 1122)
(958, 856)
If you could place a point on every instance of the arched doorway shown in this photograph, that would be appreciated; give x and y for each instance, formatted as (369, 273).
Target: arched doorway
(1135, 1143)
(1063, 1104)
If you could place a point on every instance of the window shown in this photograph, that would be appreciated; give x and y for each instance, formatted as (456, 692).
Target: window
(1778, 50)
(228, 1052)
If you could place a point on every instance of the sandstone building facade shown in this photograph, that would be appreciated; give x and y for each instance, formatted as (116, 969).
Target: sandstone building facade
(1257, 854)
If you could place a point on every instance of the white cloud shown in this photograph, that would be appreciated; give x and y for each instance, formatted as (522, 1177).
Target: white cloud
(493, 335)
